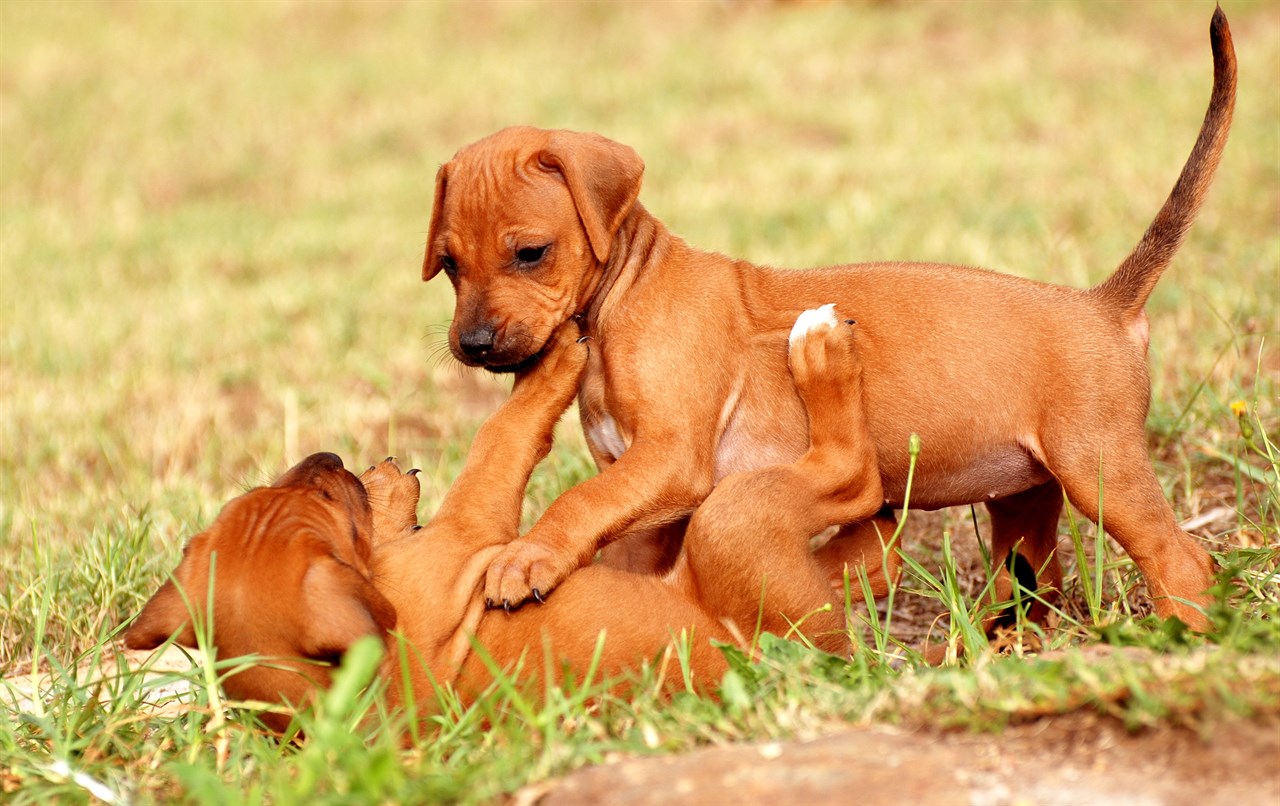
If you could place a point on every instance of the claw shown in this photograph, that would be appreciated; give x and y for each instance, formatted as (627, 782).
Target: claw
(389, 459)
(417, 527)
(506, 605)
(851, 321)
(537, 596)
(488, 603)
(413, 472)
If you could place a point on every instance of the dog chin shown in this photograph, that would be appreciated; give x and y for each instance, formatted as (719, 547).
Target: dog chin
(502, 364)
(520, 366)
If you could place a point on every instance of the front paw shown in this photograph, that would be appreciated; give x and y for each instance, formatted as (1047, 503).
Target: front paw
(524, 570)
(393, 498)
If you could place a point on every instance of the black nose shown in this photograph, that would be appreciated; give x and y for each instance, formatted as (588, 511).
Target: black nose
(477, 342)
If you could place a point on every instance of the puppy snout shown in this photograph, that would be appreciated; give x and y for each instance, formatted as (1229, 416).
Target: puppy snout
(477, 342)
(319, 463)
(325, 461)
(309, 469)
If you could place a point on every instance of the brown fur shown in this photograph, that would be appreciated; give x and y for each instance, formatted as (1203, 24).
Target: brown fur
(289, 565)
(307, 566)
(1020, 391)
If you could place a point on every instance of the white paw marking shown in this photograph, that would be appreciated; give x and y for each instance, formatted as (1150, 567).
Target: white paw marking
(813, 320)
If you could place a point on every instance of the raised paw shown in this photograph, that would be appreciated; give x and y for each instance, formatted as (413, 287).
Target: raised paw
(524, 570)
(827, 372)
(821, 350)
(393, 497)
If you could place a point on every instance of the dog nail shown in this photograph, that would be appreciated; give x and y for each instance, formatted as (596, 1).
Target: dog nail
(488, 602)
(417, 527)
(413, 472)
(851, 321)
(371, 467)
(389, 459)
(506, 605)
(537, 596)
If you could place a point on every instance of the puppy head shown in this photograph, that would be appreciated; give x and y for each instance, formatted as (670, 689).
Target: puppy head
(290, 575)
(522, 223)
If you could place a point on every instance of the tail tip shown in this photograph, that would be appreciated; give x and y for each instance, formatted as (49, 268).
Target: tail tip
(1218, 26)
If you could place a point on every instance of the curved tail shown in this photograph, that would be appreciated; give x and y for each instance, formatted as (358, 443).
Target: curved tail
(1126, 290)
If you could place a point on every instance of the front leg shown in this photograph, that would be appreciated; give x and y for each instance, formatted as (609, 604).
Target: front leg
(654, 483)
(483, 504)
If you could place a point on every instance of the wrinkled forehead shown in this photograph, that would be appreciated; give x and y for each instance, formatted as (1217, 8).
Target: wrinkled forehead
(514, 143)
(266, 518)
(500, 184)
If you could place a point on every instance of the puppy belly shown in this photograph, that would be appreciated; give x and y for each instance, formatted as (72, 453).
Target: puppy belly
(739, 452)
(987, 475)
(762, 421)
(750, 442)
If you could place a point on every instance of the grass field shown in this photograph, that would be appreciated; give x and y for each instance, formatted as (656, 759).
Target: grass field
(212, 218)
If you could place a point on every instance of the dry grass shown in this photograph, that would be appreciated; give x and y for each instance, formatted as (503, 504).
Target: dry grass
(212, 221)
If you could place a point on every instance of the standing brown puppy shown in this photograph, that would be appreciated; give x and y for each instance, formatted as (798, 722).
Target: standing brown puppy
(1047, 387)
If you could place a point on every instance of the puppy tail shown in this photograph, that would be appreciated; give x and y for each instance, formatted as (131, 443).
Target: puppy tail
(1127, 290)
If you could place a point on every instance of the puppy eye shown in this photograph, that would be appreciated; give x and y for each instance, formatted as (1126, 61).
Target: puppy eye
(530, 255)
(449, 265)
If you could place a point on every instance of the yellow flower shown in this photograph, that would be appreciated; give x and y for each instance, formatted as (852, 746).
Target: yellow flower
(1239, 408)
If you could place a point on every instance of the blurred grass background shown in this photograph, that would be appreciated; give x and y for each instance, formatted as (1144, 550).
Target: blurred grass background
(213, 213)
(211, 223)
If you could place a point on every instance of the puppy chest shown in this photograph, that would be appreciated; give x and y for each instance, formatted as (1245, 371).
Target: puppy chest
(606, 438)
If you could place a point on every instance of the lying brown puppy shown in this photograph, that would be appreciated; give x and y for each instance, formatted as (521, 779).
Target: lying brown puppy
(303, 568)
(1020, 391)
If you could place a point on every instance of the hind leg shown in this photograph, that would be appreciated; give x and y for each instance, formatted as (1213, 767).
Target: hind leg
(1178, 570)
(864, 544)
(747, 556)
(1024, 542)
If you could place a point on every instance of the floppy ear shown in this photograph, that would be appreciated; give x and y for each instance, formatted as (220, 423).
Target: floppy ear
(339, 606)
(160, 618)
(603, 177)
(431, 264)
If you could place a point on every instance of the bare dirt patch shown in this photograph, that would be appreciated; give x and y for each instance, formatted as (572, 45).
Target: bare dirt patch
(1073, 759)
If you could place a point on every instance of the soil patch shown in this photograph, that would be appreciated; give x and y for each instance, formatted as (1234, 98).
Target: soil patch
(1075, 759)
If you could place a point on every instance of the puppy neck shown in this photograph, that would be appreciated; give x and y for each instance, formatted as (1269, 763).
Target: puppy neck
(640, 247)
